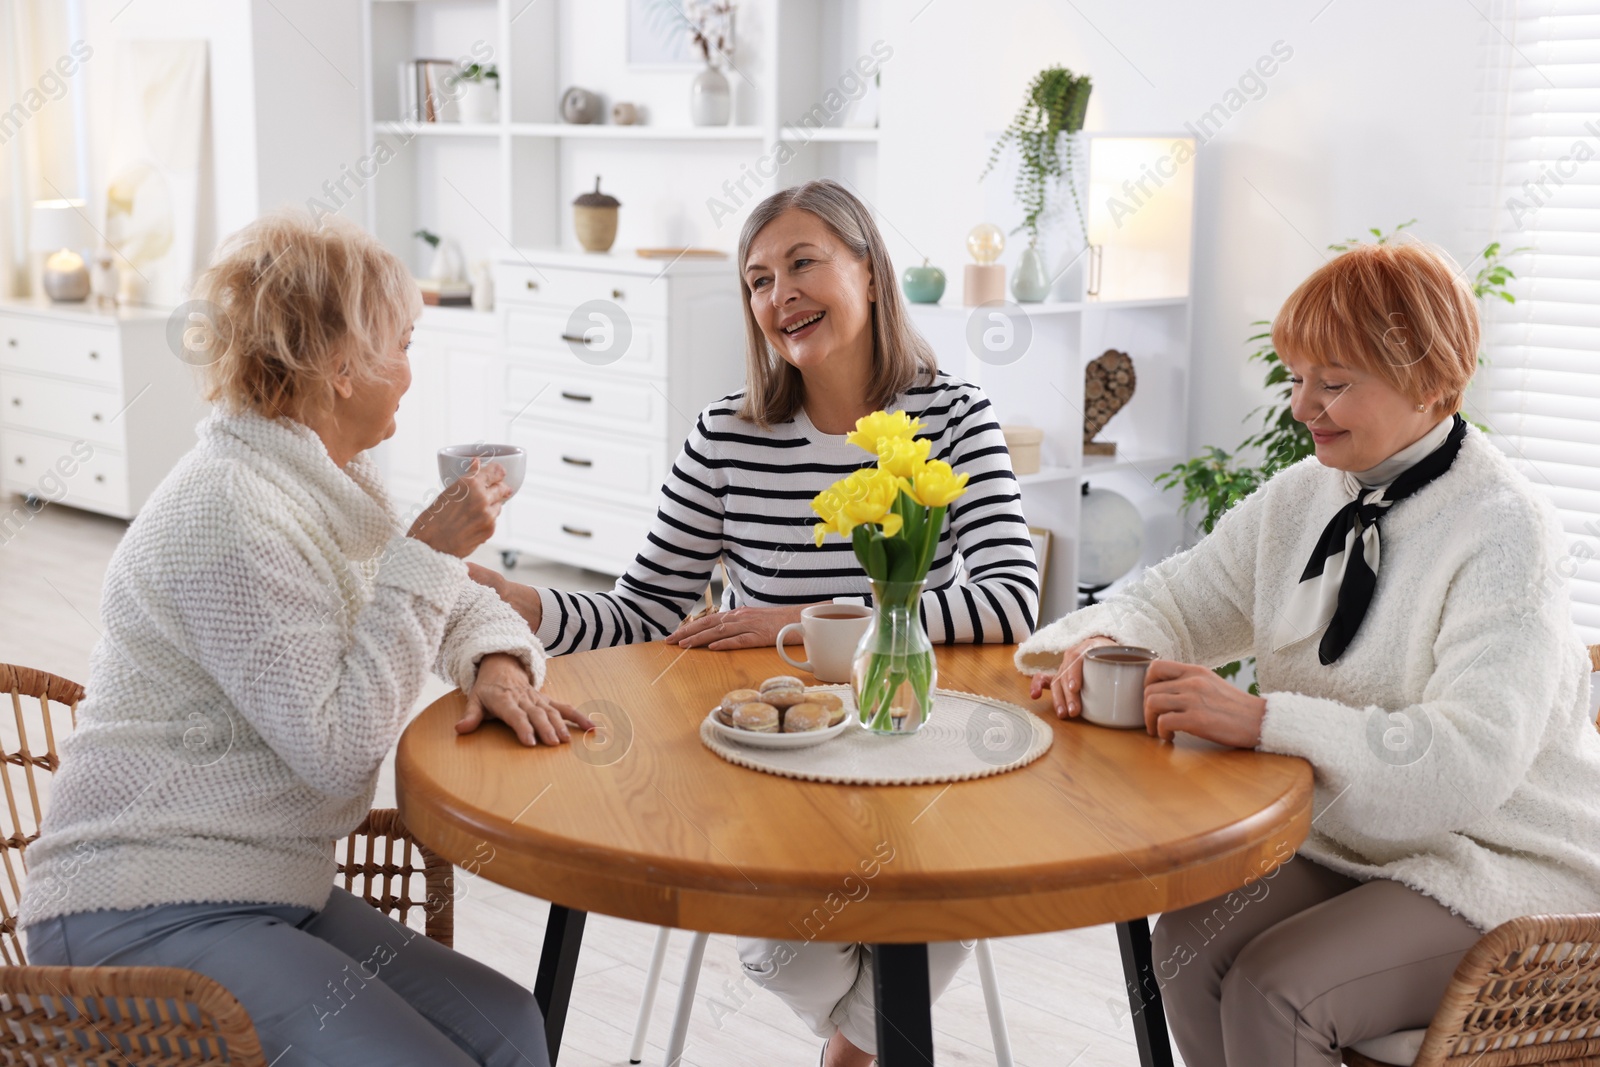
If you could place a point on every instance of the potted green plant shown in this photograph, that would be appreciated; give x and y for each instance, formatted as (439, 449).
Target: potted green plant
(478, 87)
(1043, 132)
(1217, 479)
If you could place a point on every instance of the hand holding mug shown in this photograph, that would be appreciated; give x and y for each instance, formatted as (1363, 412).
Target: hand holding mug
(463, 516)
(1066, 684)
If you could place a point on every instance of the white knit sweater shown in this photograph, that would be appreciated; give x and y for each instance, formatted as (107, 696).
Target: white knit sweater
(1493, 809)
(268, 627)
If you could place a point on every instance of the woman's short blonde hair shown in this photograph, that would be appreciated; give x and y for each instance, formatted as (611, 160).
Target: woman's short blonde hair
(1399, 311)
(900, 356)
(291, 303)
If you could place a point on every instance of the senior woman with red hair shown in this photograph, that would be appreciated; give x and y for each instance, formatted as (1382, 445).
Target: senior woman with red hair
(1399, 593)
(268, 627)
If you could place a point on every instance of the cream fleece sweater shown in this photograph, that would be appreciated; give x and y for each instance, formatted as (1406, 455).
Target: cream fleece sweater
(1451, 743)
(268, 627)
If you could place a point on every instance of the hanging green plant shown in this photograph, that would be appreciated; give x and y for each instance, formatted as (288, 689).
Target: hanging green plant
(1042, 130)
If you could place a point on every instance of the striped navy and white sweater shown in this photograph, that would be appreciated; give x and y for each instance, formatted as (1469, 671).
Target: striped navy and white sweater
(744, 494)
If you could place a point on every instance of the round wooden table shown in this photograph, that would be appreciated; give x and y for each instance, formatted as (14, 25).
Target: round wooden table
(643, 822)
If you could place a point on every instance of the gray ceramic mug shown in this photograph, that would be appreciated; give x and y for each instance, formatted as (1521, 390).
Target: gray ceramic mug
(1113, 685)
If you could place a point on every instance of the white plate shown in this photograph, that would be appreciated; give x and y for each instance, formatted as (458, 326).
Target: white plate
(751, 739)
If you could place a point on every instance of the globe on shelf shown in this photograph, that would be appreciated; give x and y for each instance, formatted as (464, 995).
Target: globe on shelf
(1110, 539)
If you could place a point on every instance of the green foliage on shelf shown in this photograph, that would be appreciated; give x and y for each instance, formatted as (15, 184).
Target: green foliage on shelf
(1042, 130)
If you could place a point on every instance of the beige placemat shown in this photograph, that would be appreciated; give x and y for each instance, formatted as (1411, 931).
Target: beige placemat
(968, 736)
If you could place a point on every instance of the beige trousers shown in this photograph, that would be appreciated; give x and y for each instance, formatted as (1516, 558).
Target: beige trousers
(1303, 962)
(828, 984)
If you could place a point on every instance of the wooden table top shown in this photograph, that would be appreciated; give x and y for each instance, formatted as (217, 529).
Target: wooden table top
(646, 823)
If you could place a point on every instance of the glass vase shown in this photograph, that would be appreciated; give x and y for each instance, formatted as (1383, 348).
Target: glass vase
(895, 672)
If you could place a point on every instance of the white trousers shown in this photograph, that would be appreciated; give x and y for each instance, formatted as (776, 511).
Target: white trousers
(828, 984)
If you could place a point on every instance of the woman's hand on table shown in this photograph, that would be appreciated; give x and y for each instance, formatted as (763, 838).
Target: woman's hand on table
(1198, 701)
(739, 628)
(463, 516)
(504, 691)
(1066, 684)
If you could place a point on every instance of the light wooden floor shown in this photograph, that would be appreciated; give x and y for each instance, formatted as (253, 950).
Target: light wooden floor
(1063, 992)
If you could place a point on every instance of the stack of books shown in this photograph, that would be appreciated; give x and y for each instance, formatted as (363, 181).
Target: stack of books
(445, 294)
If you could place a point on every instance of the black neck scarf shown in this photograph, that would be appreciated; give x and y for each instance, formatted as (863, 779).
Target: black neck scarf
(1353, 534)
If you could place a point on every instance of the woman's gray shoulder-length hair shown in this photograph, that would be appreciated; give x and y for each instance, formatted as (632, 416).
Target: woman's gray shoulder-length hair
(900, 356)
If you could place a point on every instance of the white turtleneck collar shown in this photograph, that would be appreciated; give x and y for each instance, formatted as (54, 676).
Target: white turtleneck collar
(1390, 469)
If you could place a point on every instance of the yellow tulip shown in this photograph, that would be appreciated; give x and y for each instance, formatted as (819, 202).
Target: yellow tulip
(873, 430)
(864, 496)
(936, 485)
(903, 457)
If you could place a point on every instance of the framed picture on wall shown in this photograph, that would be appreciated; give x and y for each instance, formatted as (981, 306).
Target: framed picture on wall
(658, 35)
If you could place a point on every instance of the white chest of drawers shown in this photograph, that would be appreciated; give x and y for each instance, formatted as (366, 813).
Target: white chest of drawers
(607, 361)
(94, 407)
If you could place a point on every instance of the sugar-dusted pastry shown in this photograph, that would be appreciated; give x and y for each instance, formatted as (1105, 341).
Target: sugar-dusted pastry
(782, 681)
(832, 702)
(805, 717)
(732, 700)
(756, 717)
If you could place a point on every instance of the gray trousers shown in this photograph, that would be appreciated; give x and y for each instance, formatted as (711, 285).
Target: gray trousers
(1303, 962)
(346, 986)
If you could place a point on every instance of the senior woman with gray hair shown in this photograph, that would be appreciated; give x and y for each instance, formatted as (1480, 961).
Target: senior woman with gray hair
(268, 626)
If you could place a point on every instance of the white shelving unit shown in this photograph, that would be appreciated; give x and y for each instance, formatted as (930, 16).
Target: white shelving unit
(501, 186)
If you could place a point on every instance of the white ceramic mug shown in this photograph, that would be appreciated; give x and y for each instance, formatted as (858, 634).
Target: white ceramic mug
(831, 633)
(456, 460)
(1113, 685)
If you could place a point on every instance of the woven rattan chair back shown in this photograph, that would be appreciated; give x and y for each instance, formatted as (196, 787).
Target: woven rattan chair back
(1527, 993)
(41, 708)
(122, 1016)
(394, 872)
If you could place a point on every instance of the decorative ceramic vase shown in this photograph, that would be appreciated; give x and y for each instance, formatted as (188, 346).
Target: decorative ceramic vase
(579, 106)
(624, 114)
(710, 103)
(895, 670)
(594, 217)
(480, 100)
(1031, 282)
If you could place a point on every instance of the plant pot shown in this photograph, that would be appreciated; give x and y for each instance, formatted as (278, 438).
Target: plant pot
(710, 102)
(1031, 282)
(480, 101)
(895, 670)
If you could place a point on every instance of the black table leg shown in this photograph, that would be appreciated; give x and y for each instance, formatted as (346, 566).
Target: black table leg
(1144, 995)
(900, 995)
(558, 962)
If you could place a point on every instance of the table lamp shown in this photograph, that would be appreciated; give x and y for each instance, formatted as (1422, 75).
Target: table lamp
(985, 279)
(61, 228)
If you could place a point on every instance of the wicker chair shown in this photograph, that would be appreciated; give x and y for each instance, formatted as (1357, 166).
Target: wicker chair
(104, 1016)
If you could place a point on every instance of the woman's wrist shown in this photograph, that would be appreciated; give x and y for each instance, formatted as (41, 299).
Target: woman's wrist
(527, 602)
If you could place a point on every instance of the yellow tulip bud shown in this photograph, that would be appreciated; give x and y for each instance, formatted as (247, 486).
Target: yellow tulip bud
(936, 485)
(872, 430)
(903, 456)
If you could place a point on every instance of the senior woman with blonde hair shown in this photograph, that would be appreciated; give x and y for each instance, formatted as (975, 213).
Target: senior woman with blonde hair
(1412, 640)
(268, 626)
(828, 342)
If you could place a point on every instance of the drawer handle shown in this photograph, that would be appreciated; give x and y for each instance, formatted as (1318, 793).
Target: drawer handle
(571, 339)
(618, 294)
(577, 462)
(578, 397)
(21, 460)
(99, 477)
(575, 532)
(12, 341)
(532, 284)
(94, 355)
(16, 401)
(96, 416)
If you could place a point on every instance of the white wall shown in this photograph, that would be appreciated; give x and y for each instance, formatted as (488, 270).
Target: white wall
(1367, 124)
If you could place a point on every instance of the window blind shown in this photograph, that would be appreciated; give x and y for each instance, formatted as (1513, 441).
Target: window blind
(1540, 393)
